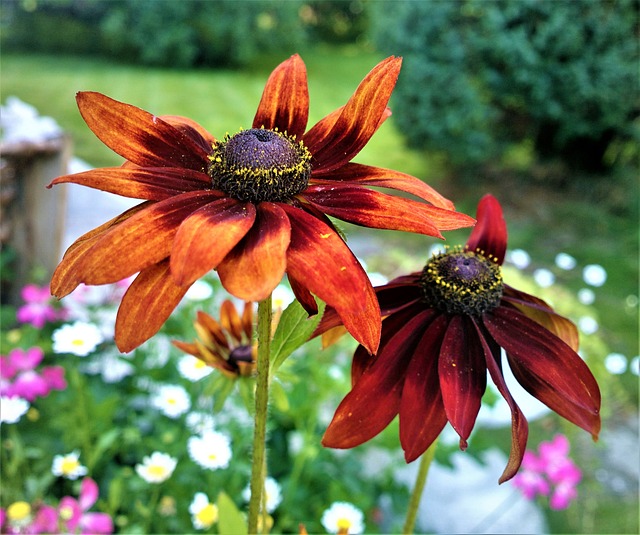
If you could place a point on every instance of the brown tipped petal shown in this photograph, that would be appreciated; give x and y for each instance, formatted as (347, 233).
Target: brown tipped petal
(154, 184)
(139, 136)
(358, 121)
(191, 129)
(285, 100)
(146, 305)
(519, 425)
(257, 264)
(230, 320)
(207, 236)
(547, 368)
(422, 415)
(463, 376)
(319, 260)
(490, 232)
(367, 175)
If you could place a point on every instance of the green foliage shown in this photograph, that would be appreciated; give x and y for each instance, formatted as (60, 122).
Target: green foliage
(480, 75)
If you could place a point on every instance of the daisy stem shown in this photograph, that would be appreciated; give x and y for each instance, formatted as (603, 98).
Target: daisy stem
(258, 469)
(421, 479)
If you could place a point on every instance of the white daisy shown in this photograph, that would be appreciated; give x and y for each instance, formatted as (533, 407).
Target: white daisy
(68, 466)
(199, 422)
(12, 409)
(594, 275)
(157, 467)
(193, 368)
(172, 400)
(343, 517)
(273, 494)
(210, 450)
(79, 338)
(203, 513)
(281, 297)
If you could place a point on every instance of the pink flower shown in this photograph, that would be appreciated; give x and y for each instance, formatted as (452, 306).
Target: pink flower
(73, 513)
(529, 479)
(37, 309)
(18, 375)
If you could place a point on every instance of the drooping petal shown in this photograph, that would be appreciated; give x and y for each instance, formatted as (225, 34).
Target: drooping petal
(285, 100)
(490, 233)
(375, 399)
(212, 328)
(230, 320)
(150, 183)
(192, 129)
(146, 305)
(139, 136)
(256, 265)
(539, 311)
(142, 240)
(547, 367)
(320, 260)
(422, 414)
(206, 237)
(303, 295)
(463, 376)
(370, 208)
(367, 175)
(357, 122)
(519, 425)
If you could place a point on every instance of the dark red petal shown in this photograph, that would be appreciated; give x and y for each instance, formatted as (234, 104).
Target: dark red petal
(139, 136)
(357, 122)
(303, 295)
(490, 233)
(370, 208)
(539, 311)
(398, 294)
(285, 100)
(154, 184)
(547, 367)
(375, 399)
(519, 426)
(367, 175)
(139, 242)
(320, 260)
(256, 265)
(463, 376)
(422, 414)
(206, 237)
(146, 305)
(192, 129)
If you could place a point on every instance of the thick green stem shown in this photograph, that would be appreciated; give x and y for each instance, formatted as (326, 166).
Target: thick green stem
(421, 479)
(258, 471)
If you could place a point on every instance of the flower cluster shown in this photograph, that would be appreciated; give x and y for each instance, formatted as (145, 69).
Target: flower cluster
(38, 308)
(19, 376)
(550, 473)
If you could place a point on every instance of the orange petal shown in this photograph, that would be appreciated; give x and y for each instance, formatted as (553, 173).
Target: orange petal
(146, 305)
(257, 263)
(207, 236)
(285, 100)
(319, 260)
(230, 320)
(192, 129)
(139, 136)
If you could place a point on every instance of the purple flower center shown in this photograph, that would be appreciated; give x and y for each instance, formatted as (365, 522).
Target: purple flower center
(462, 282)
(260, 165)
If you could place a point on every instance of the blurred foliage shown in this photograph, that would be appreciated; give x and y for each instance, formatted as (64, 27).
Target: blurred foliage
(479, 76)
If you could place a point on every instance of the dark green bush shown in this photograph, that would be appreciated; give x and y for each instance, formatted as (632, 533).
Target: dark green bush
(480, 75)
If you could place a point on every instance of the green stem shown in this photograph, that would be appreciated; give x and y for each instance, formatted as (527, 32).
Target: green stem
(421, 479)
(258, 471)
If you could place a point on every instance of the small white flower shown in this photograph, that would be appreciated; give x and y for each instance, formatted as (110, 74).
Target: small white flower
(210, 450)
(273, 494)
(616, 363)
(519, 258)
(343, 517)
(68, 466)
(193, 368)
(157, 467)
(12, 409)
(199, 291)
(544, 277)
(586, 296)
(77, 338)
(594, 275)
(199, 422)
(587, 325)
(203, 513)
(565, 261)
(172, 400)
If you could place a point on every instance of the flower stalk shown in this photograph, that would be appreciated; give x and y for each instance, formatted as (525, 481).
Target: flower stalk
(258, 471)
(421, 479)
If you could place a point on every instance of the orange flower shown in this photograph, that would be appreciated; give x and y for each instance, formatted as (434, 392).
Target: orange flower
(227, 346)
(253, 206)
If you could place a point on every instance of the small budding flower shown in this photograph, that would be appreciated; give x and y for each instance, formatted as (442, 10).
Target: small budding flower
(343, 518)
(203, 513)
(68, 466)
(157, 467)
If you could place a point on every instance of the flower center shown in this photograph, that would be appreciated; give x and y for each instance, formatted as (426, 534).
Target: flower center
(462, 282)
(260, 165)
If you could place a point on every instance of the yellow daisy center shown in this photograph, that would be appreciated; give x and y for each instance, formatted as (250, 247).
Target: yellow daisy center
(69, 465)
(208, 515)
(18, 511)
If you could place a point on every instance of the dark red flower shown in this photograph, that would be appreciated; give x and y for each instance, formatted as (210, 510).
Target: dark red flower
(443, 330)
(253, 206)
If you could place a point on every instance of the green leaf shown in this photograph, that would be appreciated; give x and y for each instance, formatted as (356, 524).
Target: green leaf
(230, 519)
(293, 331)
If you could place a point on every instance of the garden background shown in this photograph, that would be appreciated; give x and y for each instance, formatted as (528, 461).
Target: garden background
(535, 102)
